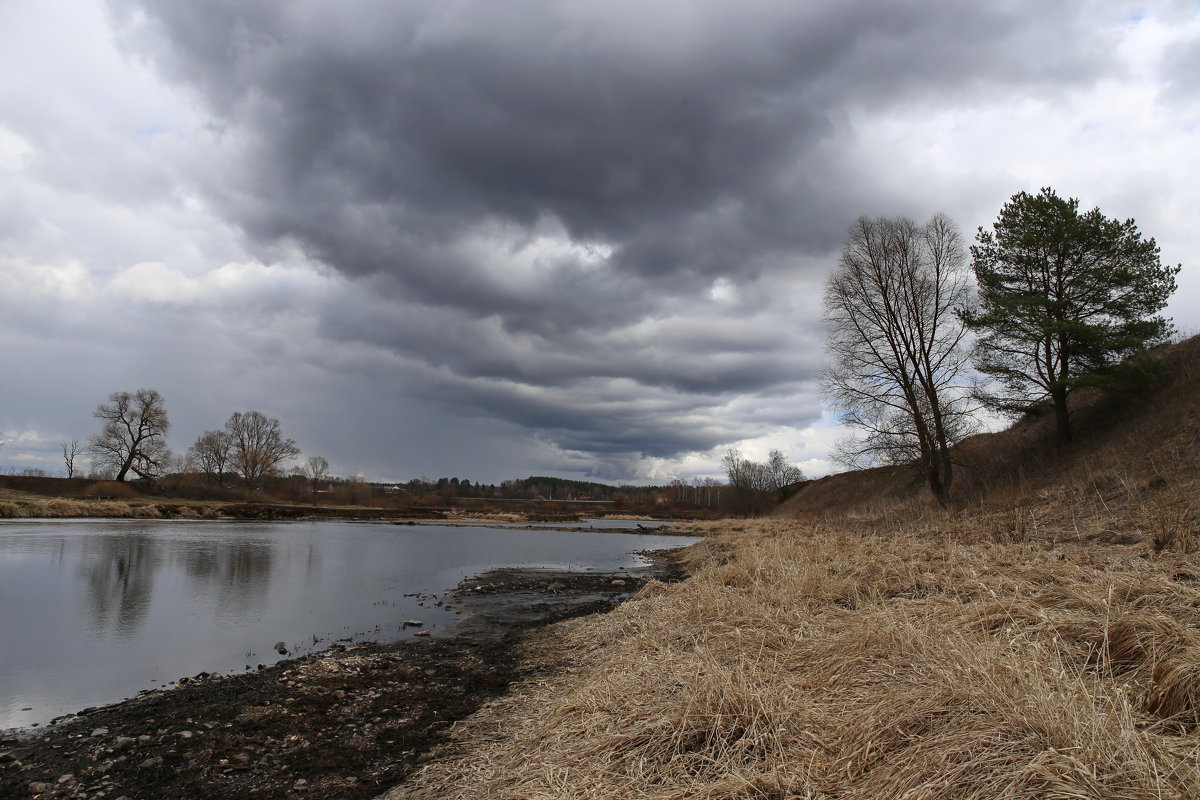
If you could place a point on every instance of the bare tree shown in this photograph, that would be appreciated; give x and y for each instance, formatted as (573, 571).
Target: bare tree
(258, 446)
(898, 362)
(316, 468)
(213, 454)
(757, 485)
(70, 450)
(781, 474)
(133, 438)
(735, 467)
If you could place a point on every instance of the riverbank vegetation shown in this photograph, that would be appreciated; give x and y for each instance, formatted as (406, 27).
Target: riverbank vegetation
(1037, 638)
(1065, 301)
(26, 505)
(804, 660)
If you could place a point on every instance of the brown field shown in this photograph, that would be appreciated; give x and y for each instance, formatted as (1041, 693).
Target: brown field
(1039, 640)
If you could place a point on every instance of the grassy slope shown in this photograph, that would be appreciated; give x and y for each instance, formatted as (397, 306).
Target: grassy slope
(1125, 444)
(1040, 640)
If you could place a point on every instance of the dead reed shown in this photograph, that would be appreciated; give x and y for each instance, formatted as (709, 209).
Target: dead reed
(808, 660)
(28, 506)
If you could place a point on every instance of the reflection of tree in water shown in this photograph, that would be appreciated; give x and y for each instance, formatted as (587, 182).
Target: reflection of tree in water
(119, 574)
(236, 573)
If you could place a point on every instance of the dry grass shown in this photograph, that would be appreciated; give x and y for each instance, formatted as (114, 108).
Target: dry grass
(808, 661)
(26, 505)
(15, 505)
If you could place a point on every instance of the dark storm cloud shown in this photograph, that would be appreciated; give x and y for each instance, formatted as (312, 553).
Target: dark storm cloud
(379, 130)
(744, 354)
(547, 192)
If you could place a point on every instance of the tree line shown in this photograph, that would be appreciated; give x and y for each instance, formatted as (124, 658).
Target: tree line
(535, 487)
(1061, 299)
(133, 442)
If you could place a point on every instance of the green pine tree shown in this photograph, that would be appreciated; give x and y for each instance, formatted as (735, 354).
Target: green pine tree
(1065, 298)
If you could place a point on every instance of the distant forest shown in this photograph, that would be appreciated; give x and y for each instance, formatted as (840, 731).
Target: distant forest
(531, 488)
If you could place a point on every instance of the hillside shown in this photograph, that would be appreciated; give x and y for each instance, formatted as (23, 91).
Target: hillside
(1136, 458)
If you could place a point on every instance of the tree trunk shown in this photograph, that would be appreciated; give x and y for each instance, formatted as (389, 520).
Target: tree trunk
(125, 468)
(939, 484)
(1062, 417)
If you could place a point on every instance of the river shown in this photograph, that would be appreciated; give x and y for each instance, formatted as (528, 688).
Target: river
(94, 611)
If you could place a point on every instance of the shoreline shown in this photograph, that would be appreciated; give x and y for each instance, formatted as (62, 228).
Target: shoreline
(65, 509)
(348, 721)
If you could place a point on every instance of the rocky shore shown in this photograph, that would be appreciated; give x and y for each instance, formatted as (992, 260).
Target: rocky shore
(349, 722)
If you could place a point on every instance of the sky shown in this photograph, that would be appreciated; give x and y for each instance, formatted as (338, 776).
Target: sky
(491, 240)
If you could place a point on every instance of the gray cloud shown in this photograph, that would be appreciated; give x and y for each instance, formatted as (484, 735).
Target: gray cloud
(378, 135)
(682, 141)
(594, 231)
(1181, 65)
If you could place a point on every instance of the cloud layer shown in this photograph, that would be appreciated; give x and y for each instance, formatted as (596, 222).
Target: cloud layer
(492, 239)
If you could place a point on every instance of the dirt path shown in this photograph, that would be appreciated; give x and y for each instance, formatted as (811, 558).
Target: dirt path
(349, 722)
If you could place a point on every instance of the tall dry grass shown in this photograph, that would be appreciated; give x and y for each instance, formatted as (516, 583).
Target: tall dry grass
(28, 506)
(811, 661)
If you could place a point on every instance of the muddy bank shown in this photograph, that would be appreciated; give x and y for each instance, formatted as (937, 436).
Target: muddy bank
(269, 511)
(349, 722)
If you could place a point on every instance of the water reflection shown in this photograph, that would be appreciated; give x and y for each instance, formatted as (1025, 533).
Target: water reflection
(236, 574)
(118, 573)
(93, 611)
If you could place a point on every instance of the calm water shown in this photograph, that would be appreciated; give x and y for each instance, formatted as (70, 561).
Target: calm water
(94, 611)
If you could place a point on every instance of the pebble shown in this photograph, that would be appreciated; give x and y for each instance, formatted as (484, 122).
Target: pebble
(151, 763)
(100, 732)
(37, 787)
(123, 743)
(185, 734)
(422, 633)
(300, 784)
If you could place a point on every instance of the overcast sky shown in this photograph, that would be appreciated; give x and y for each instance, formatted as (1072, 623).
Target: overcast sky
(487, 240)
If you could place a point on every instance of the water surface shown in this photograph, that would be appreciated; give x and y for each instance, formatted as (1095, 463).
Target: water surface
(93, 611)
